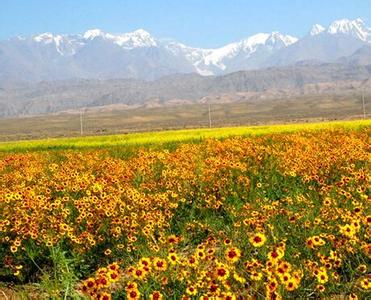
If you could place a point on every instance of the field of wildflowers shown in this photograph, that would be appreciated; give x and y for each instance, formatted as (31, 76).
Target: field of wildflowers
(280, 215)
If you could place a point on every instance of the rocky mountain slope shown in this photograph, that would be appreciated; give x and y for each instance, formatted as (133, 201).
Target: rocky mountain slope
(49, 97)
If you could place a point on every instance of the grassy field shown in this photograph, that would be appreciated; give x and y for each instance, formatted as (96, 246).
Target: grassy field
(171, 136)
(299, 109)
(265, 212)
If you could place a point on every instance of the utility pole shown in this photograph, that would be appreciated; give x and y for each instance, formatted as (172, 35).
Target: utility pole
(209, 114)
(363, 103)
(81, 127)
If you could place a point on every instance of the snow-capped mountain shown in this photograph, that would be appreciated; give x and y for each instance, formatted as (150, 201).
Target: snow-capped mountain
(137, 54)
(340, 39)
(245, 54)
(355, 28)
(63, 44)
(137, 39)
(317, 29)
(229, 57)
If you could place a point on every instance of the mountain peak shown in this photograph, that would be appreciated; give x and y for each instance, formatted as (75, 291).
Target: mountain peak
(93, 33)
(341, 26)
(141, 32)
(354, 28)
(259, 38)
(360, 21)
(278, 39)
(317, 29)
(46, 37)
(136, 39)
(274, 38)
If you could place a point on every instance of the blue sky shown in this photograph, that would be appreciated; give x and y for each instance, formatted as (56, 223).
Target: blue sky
(201, 23)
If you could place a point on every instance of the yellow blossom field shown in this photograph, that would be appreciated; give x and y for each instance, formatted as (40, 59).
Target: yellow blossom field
(269, 212)
(170, 137)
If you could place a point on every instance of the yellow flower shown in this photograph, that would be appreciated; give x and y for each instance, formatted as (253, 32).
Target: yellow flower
(159, 264)
(275, 255)
(139, 273)
(105, 296)
(284, 277)
(156, 295)
(322, 277)
(315, 241)
(113, 276)
(291, 285)
(256, 276)
(173, 258)
(239, 278)
(362, 268)
(191, 290)
(232, 254)
(192, 261)
(229, 296)
(271, 285)
(102, 282)
(258, 239)
(131, 286)
(145, 262)
(347, 230)
(318, 241)
(365, 284)
(222, 272)
(321, 288)
(113, 267)
(200, 254)
(133, 294)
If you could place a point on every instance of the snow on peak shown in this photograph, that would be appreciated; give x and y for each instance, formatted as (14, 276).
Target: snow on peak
(355, 28)
(93, 33)
(341, 26)
(317, 29)
(141, 32)
(254, 40)
(276, 39)
(248, 46)
(215, 56)
(136, 39)
(288, 40)
(46, 37)
(64, 44)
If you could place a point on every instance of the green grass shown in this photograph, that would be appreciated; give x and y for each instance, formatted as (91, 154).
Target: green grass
(241, 111)
(170, 137)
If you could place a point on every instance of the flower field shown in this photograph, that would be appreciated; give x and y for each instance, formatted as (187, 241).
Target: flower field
(279, 215)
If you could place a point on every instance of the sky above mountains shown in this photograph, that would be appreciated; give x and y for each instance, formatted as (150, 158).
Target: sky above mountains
(199, 23)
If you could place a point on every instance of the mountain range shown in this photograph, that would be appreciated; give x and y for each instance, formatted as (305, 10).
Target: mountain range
(49, 73)
(138, 55)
